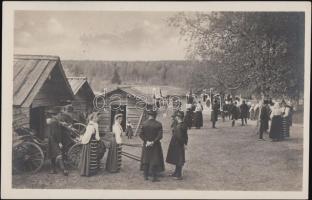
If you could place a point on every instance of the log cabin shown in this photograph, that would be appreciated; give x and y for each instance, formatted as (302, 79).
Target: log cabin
(83, 96)
(39, 82)
(130, 102)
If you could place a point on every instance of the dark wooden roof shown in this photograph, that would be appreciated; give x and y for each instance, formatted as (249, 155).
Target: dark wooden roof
(30, 73)
(76, 83)
(134, 92)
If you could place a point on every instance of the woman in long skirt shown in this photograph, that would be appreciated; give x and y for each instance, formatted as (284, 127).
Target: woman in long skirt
(113, 163)
(286, 119)
(276, 133)
(198, 115)
(89, 162)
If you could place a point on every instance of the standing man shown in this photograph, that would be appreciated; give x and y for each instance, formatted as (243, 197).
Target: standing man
(55, 142)
(214, 113)
(176, 150)
(244, 112)
(152, 159)
(264, 118)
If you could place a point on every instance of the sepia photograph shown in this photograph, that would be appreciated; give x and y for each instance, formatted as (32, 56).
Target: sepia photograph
(156, 100)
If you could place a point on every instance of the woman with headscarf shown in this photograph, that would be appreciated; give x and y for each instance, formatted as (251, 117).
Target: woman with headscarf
(89, 162)
(113, 163)
(276, 133)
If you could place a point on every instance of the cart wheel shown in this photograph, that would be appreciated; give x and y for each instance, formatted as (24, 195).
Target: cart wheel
(28, 157)
(81, 128)
(74, 155)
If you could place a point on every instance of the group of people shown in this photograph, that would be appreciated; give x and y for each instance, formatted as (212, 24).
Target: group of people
(194, 115)
(230, 110)
(280, 114)
(152, 160)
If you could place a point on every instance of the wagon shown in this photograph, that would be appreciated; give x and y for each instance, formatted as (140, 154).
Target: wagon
(29, 151)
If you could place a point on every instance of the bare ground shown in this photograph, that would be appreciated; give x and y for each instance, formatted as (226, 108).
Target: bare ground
(226, 158)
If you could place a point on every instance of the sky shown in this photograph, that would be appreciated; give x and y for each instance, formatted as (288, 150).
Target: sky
(98, 35)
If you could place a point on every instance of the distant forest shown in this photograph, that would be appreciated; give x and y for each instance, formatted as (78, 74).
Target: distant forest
(101, 73)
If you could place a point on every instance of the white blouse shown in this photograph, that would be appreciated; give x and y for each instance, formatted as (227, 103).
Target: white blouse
(92, 128)
(117, 131)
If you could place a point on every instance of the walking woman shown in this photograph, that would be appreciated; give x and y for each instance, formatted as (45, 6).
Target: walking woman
(276, 133)
(89, 162)
(113, 163)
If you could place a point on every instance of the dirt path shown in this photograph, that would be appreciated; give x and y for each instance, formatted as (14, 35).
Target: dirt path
(226, 158)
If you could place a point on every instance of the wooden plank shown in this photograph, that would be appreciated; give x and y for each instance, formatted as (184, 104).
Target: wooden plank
(17, 68)
(29, 66)
(137, 128)
(39, 83)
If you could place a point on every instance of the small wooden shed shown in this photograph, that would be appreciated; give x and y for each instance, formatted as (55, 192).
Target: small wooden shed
(39, 82)
(128, 101)
(84, 96)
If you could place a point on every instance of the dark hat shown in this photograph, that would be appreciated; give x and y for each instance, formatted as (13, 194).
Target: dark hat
(152, 112)
(52, 110)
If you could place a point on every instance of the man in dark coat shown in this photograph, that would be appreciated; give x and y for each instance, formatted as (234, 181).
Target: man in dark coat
(188, 118)
(235, 113)
(55, 141)
(214, 113)
(264, 119)
(244, 112)
(152, 159)
(176, 150)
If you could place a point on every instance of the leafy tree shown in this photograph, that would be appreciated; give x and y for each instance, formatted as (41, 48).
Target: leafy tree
(257, 52)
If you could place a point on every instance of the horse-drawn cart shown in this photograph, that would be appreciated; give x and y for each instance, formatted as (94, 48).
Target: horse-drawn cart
(29, 151)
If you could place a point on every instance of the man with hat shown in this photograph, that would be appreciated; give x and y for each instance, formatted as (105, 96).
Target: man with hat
(152, 160)
(55, 141)
(264, 118)
(176, 150)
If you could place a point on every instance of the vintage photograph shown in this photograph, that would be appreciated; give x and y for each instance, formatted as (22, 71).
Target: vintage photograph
(150, 100)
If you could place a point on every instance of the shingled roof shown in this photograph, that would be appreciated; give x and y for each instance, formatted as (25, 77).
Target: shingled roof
(134, 92)
(30, 73)
(76, 83)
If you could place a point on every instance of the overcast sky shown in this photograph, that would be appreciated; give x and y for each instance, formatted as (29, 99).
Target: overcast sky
(101, 35)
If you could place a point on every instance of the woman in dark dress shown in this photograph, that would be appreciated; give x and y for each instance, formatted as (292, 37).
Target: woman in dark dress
(276, 132)
(176, 150)
(89, 163)
(113, 163)
(188, 118)
(198, 118)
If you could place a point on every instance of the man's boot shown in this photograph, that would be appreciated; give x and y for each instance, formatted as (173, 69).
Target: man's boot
(53, 166)
(62, 166)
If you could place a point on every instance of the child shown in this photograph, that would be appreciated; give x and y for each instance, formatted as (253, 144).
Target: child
(129, 131)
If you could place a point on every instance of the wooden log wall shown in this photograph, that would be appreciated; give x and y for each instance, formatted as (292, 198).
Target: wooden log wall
(133, 112)
(20, 117)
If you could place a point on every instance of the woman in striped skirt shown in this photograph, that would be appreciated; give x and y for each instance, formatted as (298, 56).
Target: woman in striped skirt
(285, 119)
(113, 163)
(89, 163)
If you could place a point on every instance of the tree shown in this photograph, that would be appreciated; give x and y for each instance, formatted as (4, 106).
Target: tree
(260, 52)
(116, 77)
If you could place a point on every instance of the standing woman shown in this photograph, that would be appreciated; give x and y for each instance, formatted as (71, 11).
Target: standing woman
(198, 115)
(89, 162)
(286, 118)
(113, 163)
(276, 133)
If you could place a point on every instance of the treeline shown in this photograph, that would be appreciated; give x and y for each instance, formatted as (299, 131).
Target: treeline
(100, 73)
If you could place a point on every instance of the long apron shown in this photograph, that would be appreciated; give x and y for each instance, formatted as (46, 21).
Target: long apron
(89, 162)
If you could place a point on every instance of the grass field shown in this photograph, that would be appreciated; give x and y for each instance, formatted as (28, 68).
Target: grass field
(226, 158)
